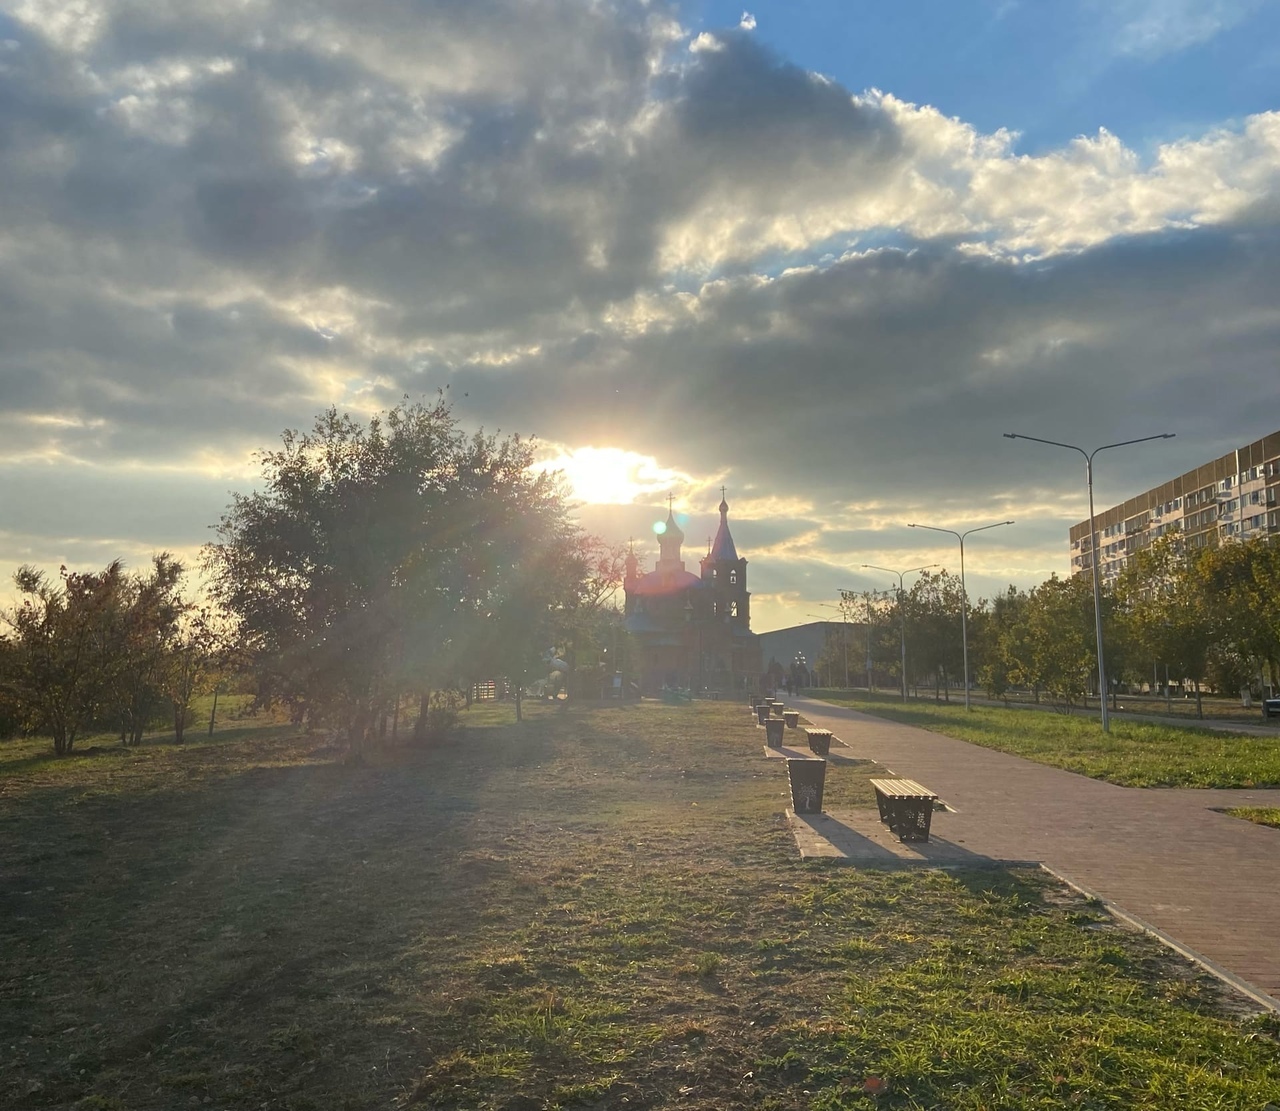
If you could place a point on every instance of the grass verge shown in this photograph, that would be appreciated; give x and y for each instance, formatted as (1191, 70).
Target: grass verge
(601, 908)
(1133, 754)
(1262, 815)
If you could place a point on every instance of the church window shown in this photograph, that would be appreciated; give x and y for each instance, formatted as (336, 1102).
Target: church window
(733, 577)
(715, 609)
(733, 609)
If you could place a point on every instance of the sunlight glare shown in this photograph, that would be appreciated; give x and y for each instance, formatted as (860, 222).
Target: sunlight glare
(612, 476)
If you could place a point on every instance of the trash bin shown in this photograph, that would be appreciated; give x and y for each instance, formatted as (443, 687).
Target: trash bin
(778, 708)
(773, 732)
(819, 741)
(762, 713)
(807, 777)
(792, 718)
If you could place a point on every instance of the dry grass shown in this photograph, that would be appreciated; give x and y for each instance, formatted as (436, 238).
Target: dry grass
(602, 908)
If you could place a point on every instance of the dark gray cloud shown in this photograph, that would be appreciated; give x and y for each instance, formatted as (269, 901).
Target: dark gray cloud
(221, 219)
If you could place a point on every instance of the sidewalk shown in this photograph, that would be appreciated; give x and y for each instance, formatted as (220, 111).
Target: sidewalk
(1208, 882)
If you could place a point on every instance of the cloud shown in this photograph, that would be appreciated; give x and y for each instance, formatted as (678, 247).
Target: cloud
(747, 22)
(1153, 28)
(219, 219)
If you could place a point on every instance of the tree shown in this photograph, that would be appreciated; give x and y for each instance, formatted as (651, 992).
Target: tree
(389, 558)
(193, 654)
(64, 649)
(1163, 603)
(934, 629)
(1237, 585)
(149, 612)
(1060, 645)
(1001, 640)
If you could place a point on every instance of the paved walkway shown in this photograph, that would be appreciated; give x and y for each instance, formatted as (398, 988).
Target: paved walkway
(1208, 882)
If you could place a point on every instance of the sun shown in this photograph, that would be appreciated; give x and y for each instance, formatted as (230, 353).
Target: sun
(610, 475)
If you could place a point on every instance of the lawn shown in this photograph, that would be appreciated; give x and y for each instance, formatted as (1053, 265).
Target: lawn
(1263, 815)
(601, 908)
(1133, 754)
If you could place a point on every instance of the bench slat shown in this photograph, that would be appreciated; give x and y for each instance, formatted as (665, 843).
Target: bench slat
(902, 789)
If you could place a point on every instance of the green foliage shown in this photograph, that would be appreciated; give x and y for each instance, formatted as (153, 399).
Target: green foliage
(102, 649)
(398, 556)
(1059, 640)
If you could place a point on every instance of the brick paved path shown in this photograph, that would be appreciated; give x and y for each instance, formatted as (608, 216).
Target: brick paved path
(1209, 882)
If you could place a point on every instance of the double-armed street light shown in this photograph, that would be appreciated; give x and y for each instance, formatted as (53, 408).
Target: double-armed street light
(902, 613)
(1093, 544)
(964, 596)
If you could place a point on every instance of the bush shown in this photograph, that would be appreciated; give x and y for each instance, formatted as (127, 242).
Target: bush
(441, 717)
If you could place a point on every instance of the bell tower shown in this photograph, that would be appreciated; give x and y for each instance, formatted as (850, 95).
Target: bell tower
(726, 575)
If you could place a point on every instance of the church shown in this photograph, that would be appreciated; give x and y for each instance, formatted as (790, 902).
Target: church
(692, 630)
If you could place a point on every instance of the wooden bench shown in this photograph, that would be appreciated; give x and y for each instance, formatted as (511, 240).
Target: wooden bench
(905, 807)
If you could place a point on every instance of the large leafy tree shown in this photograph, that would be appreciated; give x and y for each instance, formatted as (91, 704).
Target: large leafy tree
(1060, 645)
(1165, 609)
(95, 649)
(1002, 642)
(390, 558)
(934, 648)
(1237, 584)
(64, 647)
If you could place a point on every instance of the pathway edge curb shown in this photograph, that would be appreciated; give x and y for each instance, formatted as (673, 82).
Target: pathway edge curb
(1229, 978)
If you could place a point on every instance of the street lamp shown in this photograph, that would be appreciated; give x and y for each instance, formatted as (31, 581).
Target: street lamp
(1093, 545)
(902, 613)
(844, 637)
(964, 594)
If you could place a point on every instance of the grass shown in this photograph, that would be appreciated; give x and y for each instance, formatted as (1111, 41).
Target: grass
(599, 909)
(1263, 815)
(1133, 754)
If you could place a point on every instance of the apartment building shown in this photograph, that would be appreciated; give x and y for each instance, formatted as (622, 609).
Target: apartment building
(1233, 497)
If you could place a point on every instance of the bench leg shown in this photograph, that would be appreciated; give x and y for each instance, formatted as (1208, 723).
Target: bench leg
(886, 809)
(910, 820)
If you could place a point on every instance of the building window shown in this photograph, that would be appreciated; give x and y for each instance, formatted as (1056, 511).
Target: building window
(733, 609)
(733, 578)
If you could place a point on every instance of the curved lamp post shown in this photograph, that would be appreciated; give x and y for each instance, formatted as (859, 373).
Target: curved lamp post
(901, 612)
(1093, 545)
(964, 594)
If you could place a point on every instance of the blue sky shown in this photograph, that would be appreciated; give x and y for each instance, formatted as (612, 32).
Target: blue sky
(682, 248)
(1147, 70)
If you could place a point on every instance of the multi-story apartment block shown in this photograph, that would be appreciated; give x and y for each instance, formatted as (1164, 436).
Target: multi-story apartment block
(1234, 497)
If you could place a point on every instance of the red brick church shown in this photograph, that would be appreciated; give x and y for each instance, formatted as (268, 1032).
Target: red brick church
(693, 630)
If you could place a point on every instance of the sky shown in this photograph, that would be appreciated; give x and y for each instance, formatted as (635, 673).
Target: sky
(822, 254)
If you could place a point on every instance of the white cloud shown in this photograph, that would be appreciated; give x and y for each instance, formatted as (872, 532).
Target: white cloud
(747, 22)
(1152, 28)
(215, 220)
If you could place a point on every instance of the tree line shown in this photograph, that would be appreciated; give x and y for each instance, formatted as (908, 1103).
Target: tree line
(377, 565)
(1207, 619)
